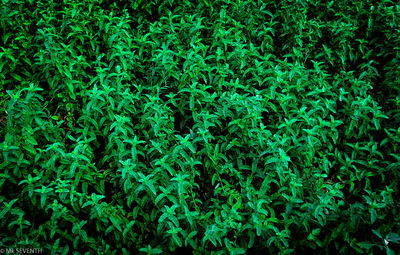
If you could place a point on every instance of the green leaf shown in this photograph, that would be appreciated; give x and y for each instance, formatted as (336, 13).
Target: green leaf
(376, 232)
(365, 245)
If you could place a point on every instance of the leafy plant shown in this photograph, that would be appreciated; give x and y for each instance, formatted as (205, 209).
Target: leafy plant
(204, 127)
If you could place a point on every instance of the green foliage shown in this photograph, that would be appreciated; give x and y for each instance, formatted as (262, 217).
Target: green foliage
(204, 127)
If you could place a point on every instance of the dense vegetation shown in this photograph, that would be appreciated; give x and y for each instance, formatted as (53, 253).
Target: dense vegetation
(212, 127)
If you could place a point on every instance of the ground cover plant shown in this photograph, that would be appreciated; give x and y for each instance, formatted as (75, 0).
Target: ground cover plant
(200, 127)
